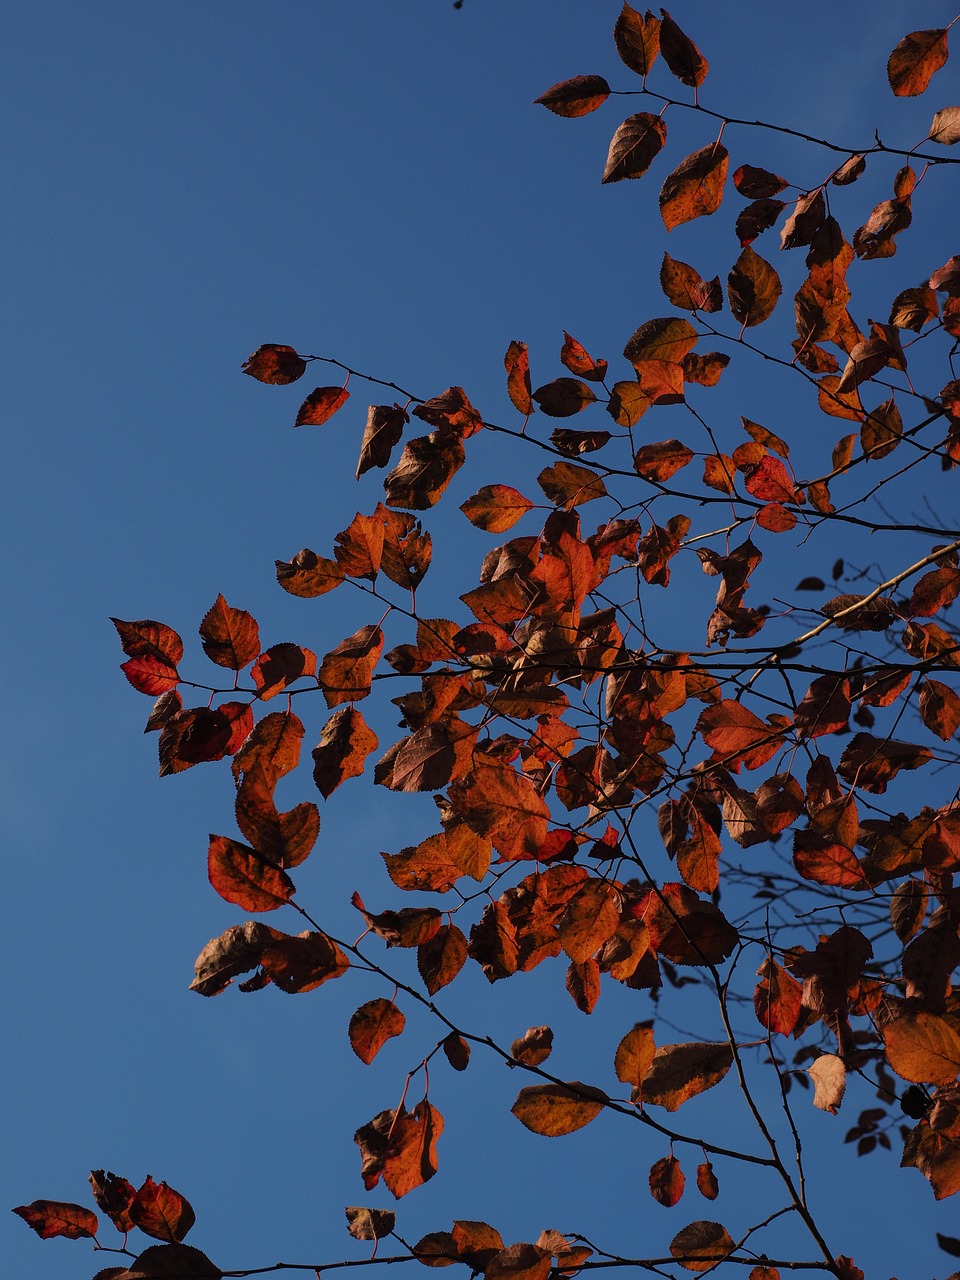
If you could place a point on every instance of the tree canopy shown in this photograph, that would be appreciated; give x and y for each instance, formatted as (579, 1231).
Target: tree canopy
(668, 632)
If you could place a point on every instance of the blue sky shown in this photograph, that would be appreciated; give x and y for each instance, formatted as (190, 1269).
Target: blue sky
(372, 183)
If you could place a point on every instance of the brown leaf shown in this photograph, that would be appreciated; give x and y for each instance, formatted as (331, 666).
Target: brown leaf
(757, 184)
(504, 806)
(737, 736)
(170, 1262)
(871, 763)
(451, 410)
(680, 53)
(753, 288)
(308, 575)
(829, 1076)
(383, 430)
(519, 1262)
(686, 288)
(637, 39)
(802, 225)
(777, 998)
(235, 951)
(681, 1071)
(50, 1218)
(695, 187)
(701, 1240)
(939, 708)
(320, 405)
(563, 397)
(273, 743)
(426, 467)
(914, 61)
(372, 1025)
(575, 97)
(555, 1109)
(240, 875)
(634, 146)
(280, 666)
(115, 1196)
(533, 1047)
(275, 364)
(369, 1224)
(757, 218)
(303, 963)
(908, 906)
(456, 1051)
(658, 462)
(568, 485)
(192, 736)
(583, 984)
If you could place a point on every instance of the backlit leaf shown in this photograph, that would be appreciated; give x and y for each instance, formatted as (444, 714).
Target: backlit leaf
(666, 1181)
(923, 1047)
(914, 61)
(276, 364)
(161, 1212)
(681, 1071)
(308, 575)
(517, 364)
(753, 288)
(701, 1240)
(556, 1109)
(346, 672)
(680, 53)
(230, 637)
(383, 430)
(695, 188)
(372, 1025)
(303, 963)
(240, 875)
(496, 508)
(280, 666)
(441, 957)
(369, 1224)
(320, 405)
(634, 147)
(829, 1076)
(50, 1218)
(568, 485)
(637, 39)
(575, 97)
(634, 1055)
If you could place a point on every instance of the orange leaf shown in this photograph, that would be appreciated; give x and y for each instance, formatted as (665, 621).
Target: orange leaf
(556, 1109)
(939, 708)
(658, 462)
(686, 288)
(441, 957)
(923, 1047)
(373, 1024)
(776, 1000)
(504, 806)
(695, 188)
(346, 672)
(230, 637)
(308, 575)
(345, 742)
(590, 918)
(274, 743)
(914, 61)
(575, 97)
(681, 1071)
(567, 485)
(240, 875)
(320, 405)
(737, 736)
(161, 1212)
(634, 1055)
(578, 360)
(114, 1195)
(517, 364)
(496, 508)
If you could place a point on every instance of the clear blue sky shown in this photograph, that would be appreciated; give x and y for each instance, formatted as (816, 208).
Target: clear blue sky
(370, 182)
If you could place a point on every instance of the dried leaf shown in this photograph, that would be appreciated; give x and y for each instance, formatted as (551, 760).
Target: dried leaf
(695, 188)
(555, 1109)
(575, 97)
(829, 1076)
(634, 147)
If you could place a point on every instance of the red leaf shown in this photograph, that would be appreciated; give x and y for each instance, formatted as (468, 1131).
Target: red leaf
(161, 1212)
(275, 364)
(576, 97)
(240, 875)
(666, 1181)
(50, 1218)
(230, 637)
(320, 405)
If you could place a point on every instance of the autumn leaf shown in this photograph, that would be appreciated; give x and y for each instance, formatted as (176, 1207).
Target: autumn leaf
(666, 1181)
(50, 1218)
(563, 397)
(701, 1240)
(637, 39)
(681, 1071)
(914, 60)
(230, 637)
(369, 1224)
(680, 53)
(753, 289)
(634, 147)
(556, 1109)
(496, 508)
(533, 1047)
(161, 1212)
(576, 97)
(923, 1047)
(275, 364)
(320, 406)
(240, 875)
(695, 188)
(829, 1076)
(372, 1025)
(383, 430)
(235, 951)
(517, 364)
